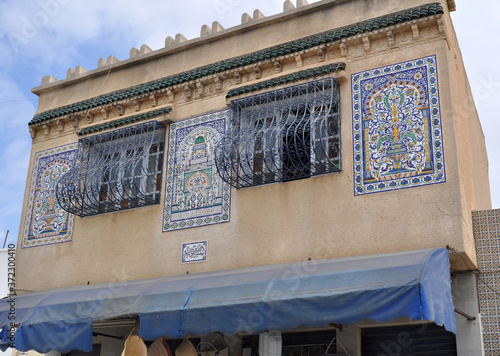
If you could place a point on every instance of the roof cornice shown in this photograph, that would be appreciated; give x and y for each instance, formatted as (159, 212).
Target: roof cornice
(252, 59)
(285, 79)
(124, 121)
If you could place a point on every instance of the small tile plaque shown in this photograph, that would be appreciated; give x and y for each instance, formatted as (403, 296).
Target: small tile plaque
(194, 252)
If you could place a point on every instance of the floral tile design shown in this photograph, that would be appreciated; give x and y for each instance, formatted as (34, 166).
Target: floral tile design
(397, 130)
(46, 222)
(195, 193)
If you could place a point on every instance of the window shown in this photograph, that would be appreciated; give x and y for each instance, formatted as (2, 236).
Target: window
(117, 170)
(282, 135)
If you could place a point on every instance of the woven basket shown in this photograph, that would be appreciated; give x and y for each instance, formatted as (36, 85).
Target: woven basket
(159, 348)
(134, 346)
(186, 348)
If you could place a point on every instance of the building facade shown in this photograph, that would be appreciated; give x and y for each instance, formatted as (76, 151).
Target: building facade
(320, 160)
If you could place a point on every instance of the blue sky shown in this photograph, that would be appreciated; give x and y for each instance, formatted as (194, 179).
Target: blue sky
(42, 37)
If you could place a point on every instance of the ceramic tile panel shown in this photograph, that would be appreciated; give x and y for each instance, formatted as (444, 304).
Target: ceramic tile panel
(398, 141)
(195, 193)
(194, 252)
(46, 222)
(486, 225)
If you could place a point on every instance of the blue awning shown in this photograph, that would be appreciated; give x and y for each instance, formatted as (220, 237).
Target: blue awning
(414, 284)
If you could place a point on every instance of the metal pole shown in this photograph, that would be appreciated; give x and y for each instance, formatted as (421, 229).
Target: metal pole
(5, 241)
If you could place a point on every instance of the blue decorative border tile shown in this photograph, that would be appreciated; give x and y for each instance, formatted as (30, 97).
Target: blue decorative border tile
(397, 134)
(194, 252)
(195, 194)
(46, 222)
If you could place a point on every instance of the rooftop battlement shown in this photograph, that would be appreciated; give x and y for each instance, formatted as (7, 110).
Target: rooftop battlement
(180, 42)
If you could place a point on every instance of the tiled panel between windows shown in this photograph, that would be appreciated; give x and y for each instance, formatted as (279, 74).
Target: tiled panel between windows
(46, 222)
(195, 195)
(486, 226)
(397, 134)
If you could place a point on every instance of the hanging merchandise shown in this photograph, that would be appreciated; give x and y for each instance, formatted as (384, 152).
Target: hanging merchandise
(186, 348)
(213, 351)
(159, 348)
(328, 354)
(270, 343)
(134, 346)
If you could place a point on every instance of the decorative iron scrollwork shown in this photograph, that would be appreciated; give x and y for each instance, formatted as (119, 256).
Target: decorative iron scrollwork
(116, 170)
(282, 135)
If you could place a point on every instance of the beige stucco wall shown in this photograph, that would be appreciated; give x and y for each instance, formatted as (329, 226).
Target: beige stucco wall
(469, 140)
(313, 218)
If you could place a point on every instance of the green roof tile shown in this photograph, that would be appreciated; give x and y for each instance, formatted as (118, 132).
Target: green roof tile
(407, 16)
(123, 121)
(252, 58)
(303, 74)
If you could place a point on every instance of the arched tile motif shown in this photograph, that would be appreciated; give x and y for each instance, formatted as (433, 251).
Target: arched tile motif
(46, 222)
(195, 193)
(397, 132)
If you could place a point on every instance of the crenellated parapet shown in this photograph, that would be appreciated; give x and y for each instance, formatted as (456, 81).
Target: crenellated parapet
(257, 69)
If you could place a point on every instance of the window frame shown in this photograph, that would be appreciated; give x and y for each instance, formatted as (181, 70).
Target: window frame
(116, 170)
(282, 135)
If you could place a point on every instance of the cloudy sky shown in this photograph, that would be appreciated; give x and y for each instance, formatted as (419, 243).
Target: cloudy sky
(42, 37)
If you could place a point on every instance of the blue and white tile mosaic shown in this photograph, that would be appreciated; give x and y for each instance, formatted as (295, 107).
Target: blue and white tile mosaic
(486, 227)
(46, 222)
(397, 134)
(195, 193)
(194, 252)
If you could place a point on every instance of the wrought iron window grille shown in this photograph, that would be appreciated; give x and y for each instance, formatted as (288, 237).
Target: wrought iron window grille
(116, 170)
(282, 135)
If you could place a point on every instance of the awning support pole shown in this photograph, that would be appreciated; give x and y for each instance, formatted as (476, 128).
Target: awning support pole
(106, 335)
(467, 316)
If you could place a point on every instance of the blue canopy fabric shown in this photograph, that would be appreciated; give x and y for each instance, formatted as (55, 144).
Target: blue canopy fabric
(5, 341)
(414, 284)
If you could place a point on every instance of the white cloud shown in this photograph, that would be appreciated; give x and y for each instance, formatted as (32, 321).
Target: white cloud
(476, 31)
(49, 36)
(15, 111)
(58, 34)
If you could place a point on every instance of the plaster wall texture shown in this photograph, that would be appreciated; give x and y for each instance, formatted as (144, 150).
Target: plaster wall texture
(315, 218)
(472, 159)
